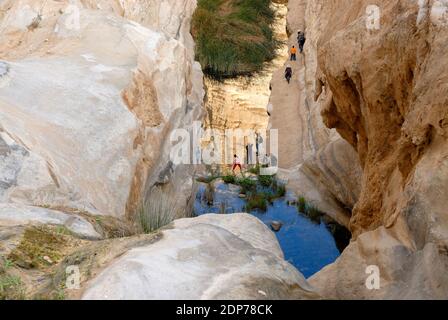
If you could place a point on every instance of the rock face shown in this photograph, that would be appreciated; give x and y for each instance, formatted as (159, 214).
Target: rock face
(316, 161)
(19, 215)
(210, 257)
(385, 92)
(242, 102)
(89, 94)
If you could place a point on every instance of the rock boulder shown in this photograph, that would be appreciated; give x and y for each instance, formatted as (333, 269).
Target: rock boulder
(209, 257)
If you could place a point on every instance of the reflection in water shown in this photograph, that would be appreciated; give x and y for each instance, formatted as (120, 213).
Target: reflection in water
(308, 244)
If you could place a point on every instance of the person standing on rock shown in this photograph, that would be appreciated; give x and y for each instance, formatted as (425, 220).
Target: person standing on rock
(301, 40)
(293, 53)
(236, 164)
(288, 74)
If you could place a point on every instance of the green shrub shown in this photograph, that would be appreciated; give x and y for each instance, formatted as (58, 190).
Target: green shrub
(301, 204)
(280, 190)
(157, 211)
(11, 288)
(229, 179)
(247, 184)
(309, 210)
(257, 201)
(277, 190)
(314, 214)
(36, 243)
(270, 197)
(266, 181)
(7, 264)
(233, 37)
(255, 170)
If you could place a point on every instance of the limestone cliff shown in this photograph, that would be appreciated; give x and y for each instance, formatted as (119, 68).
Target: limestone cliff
(385, 92)
(316, 161)
(89, 93)
(242, 102)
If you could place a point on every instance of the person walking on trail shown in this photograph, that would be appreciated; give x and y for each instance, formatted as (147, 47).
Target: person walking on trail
(293, 53)
(236, 164)
(288, 74)
(301, 40)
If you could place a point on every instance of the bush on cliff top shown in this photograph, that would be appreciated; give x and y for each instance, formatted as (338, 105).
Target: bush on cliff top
(233, 37)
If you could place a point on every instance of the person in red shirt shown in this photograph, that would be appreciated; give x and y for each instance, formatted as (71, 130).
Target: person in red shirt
(236, 163)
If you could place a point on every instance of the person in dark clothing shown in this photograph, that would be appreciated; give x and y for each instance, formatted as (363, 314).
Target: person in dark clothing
(301, 40)
(288, 74)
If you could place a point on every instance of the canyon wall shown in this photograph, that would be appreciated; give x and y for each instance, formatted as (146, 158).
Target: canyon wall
(89, 94)
(385, 92)
(242, 102)
(315, 160)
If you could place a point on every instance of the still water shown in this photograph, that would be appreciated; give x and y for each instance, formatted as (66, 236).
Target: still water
(308, 244)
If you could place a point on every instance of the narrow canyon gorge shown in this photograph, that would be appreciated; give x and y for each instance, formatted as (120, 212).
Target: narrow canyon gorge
(91, 92)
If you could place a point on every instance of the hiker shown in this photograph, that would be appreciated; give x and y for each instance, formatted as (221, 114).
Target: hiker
(299, 36)
(293, 53)
(301, 40)
(236, 164)
(288, 74)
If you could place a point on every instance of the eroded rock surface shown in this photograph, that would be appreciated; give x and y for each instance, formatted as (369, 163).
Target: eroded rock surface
(19, 215)
(316, 161)
(243, 102)
(385, 92)
(209, 257)
(89, 93)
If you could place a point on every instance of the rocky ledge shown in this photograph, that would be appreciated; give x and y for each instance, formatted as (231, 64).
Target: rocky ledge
(209, 257)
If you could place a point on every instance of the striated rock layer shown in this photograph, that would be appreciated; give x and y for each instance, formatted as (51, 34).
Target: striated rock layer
(385, 92)
(242, 102)
(89, 94)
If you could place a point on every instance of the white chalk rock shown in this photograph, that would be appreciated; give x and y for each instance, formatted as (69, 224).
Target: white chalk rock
(18, 215)
(210, 257)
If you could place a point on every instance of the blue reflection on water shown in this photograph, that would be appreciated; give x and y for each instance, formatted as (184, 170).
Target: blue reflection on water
(307, 245)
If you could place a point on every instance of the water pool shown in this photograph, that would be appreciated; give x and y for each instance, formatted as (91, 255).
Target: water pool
(308, 244)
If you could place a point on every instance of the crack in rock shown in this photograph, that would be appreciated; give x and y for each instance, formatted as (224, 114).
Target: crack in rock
(4, 69)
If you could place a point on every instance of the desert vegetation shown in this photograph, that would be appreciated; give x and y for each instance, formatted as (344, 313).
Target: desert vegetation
(233, 37)
(157, 211)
